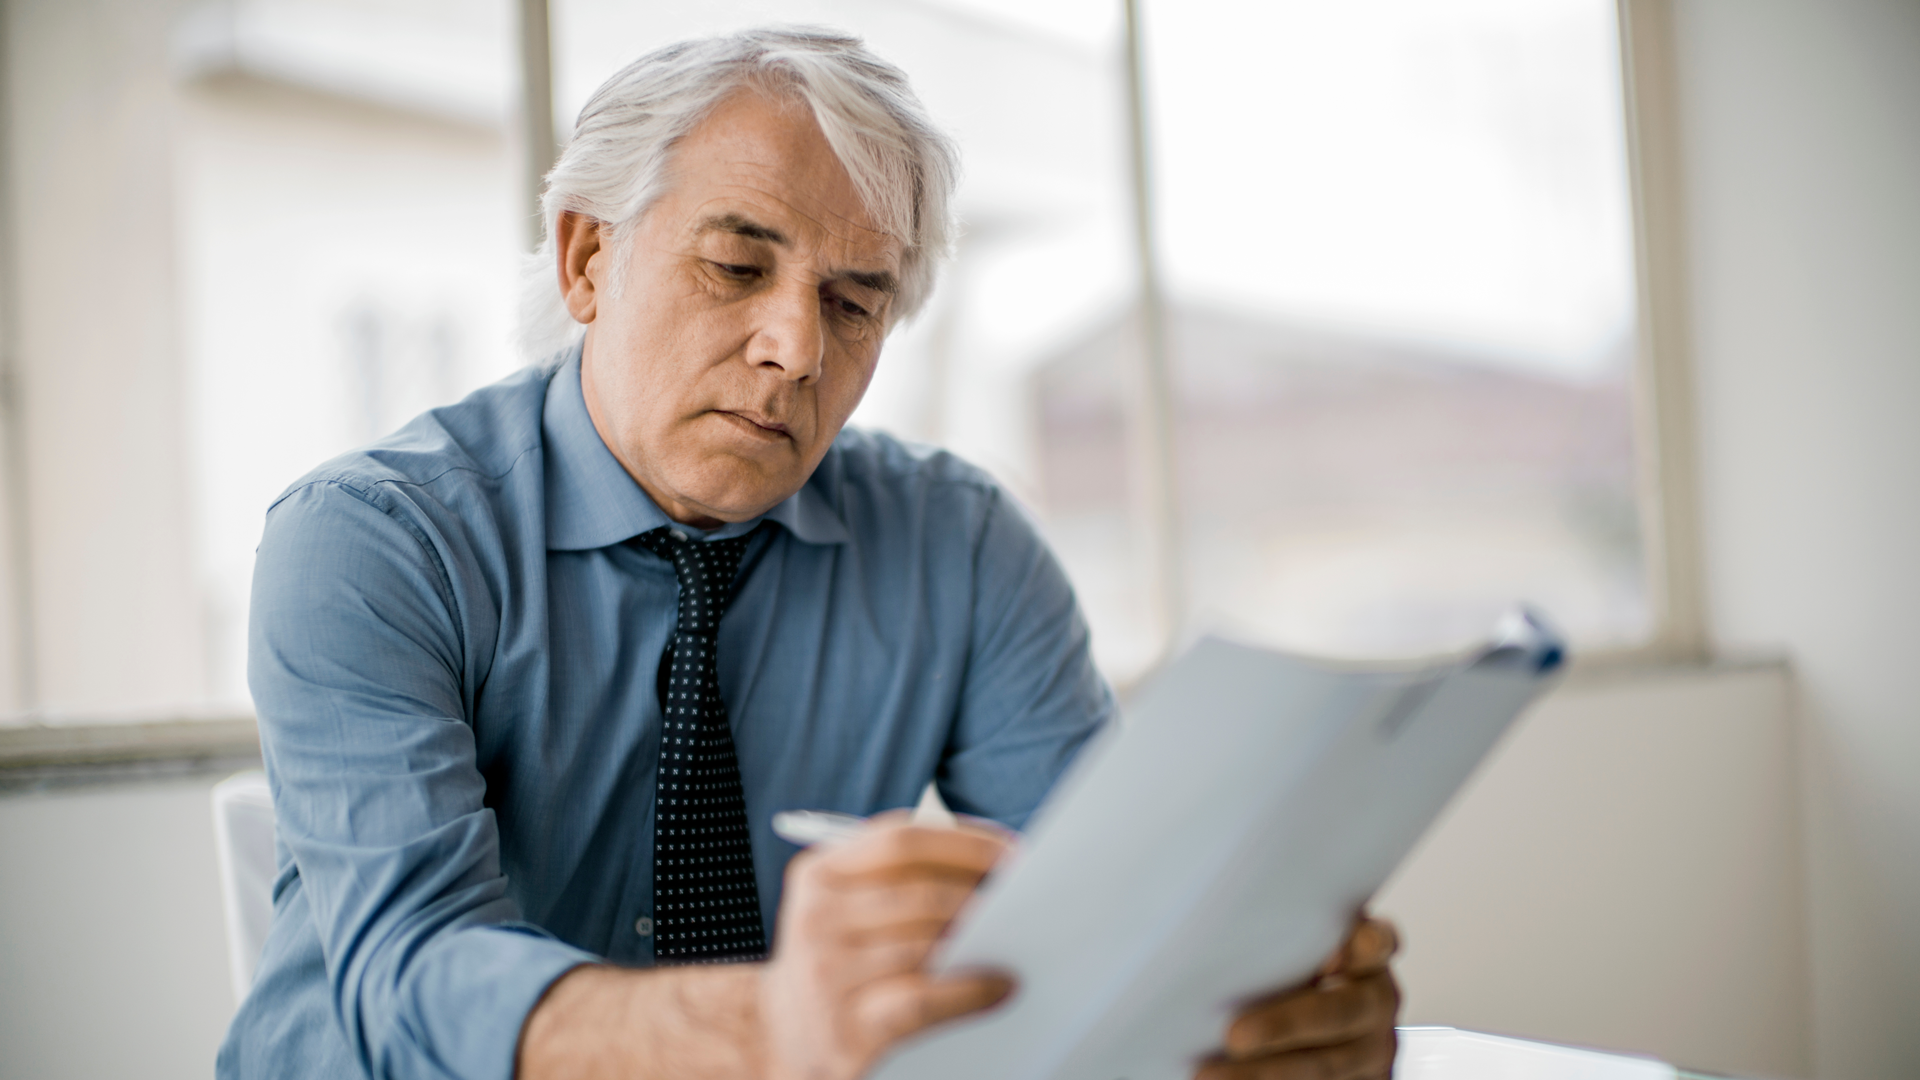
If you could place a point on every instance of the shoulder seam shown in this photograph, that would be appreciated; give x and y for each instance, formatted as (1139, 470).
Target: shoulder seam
(363, 485)
(365, 495)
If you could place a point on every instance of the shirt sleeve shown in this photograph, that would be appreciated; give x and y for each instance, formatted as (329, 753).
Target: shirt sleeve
(1032, 696)
(356, 664)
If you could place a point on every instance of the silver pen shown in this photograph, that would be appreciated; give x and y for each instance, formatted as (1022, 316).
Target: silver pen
(808, 827)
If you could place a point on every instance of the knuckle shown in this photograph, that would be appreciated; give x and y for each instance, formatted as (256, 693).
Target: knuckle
(934, 898)
(820, 968)
(897, 844)
(907, 899)
(803, 870)
(1277, 1026)
(906, 955)
(1385, 992)
(894, 905)
(1273, 1068)
(893, 1008)
(1375, 1056)
(1389, 935)
(896, 957)
(813, 920)
(1343, 1008)
(1369, 1056)
(1342, 1062)
(1374, 998)
(1268, 1025)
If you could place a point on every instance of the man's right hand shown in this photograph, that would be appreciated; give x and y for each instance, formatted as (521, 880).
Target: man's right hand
(857, 923)
(846, 981)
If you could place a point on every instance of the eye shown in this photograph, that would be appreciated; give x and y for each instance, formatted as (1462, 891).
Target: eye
(848, 307)
(737, 271)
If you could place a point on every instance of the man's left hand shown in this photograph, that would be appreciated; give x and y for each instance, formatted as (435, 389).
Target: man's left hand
(1337, 1027)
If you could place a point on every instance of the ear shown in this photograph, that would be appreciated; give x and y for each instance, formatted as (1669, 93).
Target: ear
(579, 262)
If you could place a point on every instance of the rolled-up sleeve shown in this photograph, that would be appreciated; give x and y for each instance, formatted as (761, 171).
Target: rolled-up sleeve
(359, 672)
(1032, 696)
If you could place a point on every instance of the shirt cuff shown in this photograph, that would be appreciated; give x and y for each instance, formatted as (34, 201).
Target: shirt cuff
(476, 988)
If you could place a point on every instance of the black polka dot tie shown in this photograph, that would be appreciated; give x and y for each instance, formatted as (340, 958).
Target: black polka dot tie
(706, 905)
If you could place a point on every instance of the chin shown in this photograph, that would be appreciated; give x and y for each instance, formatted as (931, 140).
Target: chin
(746, 494)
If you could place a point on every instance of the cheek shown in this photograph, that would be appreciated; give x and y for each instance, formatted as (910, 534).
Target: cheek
(850, 382)
(661, 354)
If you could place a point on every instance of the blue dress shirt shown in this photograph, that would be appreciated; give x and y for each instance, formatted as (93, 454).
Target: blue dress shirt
(453, 653)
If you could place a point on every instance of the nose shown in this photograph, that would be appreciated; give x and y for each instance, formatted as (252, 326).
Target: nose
(791, 335)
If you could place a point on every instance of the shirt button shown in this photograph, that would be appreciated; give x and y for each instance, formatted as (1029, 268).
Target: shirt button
(678, 535)
(643, 926)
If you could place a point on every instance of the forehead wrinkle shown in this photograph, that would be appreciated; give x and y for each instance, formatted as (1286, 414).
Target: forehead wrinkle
(830, 223)
(737, 223)
(767, 180)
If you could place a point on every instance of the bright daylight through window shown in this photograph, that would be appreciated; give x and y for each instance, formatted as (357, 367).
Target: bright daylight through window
(1397, 243)
(1394, 249)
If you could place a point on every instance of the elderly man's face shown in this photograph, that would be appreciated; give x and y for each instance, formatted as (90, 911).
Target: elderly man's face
(756, 296)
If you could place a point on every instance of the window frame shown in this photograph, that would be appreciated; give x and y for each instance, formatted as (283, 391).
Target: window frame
(34, 753)
(1667, 491)
(1664, 382)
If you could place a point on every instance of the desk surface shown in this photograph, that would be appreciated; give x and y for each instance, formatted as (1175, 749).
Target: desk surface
(1443, 1053)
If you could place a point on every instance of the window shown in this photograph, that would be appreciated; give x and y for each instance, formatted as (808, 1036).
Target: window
(349, 230)
(1397, 248)
(1357, 370)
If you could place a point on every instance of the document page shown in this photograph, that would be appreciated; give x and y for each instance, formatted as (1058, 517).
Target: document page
(1212, 847)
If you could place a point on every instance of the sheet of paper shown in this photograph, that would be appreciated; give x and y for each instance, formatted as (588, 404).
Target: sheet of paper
(1211, 848)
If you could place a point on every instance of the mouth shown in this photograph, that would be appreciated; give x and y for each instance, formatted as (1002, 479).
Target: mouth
(755, 425)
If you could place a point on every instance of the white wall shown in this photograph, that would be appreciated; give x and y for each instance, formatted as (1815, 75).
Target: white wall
(1624, 873)
(1801, 121)
(352, 207)
(116, 614)
(112, 954)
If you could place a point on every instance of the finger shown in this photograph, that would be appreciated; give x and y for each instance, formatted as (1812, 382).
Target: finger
(890, 1009)
(856, 911)
(1369, 1057)
(1317, 1016)
(986, 825)
(896, 849)
(1370, 947)
(922, 905)
(856, 965)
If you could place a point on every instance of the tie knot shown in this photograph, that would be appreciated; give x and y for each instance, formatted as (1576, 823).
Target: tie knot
(705, 570)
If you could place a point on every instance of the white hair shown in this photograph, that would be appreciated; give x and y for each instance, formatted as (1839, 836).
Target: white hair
(613, 170)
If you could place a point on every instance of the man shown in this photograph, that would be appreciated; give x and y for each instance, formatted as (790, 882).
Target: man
(534, 673)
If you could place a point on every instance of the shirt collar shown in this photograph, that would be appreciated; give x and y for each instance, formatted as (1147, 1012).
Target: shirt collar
(593, 503)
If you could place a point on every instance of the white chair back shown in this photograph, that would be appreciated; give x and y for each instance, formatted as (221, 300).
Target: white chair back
(243, 835)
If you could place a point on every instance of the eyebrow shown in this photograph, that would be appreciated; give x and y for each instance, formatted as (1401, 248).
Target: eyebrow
(877, 280)
(740, 226)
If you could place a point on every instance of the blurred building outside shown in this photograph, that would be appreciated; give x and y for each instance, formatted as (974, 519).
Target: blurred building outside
(1386, 429)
